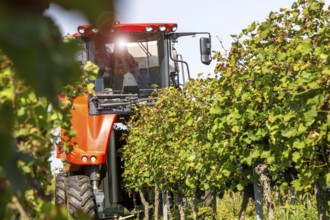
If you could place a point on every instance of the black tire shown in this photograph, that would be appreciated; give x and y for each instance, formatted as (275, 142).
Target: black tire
(60, 191)
(80, 196)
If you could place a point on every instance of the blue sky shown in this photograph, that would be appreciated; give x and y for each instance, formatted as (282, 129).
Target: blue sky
(219, 17)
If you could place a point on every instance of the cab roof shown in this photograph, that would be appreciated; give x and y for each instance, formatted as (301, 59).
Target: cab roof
(85, 30)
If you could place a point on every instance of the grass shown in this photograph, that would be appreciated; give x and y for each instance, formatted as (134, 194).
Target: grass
(286, 207)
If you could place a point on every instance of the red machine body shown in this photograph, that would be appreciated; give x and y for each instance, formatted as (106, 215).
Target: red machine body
(93, 131)
(92, 135)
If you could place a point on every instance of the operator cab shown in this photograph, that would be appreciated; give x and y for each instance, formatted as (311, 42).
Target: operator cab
(133, 65)
(134, 61)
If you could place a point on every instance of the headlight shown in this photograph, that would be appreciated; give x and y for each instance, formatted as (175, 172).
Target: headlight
(162, 28)
(149, 28)
(93, 159)
(84, 159)
(174, 28)
(81, 31)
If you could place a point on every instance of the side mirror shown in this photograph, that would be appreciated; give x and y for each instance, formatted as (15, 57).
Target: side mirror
(205, 46)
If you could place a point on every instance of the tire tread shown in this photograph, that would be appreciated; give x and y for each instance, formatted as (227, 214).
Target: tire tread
(80, 195)
(60, 189)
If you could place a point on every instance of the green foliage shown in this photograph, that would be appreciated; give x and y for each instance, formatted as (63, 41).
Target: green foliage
(40, 57)
(165, 146)
(28, 130)
(25, 135)
(268, 104)
(35, 65)
(288, 207)
(276, 73)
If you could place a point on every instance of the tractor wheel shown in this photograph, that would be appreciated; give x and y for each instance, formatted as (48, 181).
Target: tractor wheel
(80, 196)
(60, 192)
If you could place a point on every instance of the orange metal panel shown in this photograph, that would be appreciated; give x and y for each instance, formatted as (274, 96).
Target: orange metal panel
(92, 134)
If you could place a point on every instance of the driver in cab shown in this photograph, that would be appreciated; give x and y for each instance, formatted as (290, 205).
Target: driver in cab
(121, 62)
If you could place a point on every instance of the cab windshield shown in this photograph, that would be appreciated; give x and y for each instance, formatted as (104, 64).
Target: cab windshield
(130, 66)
